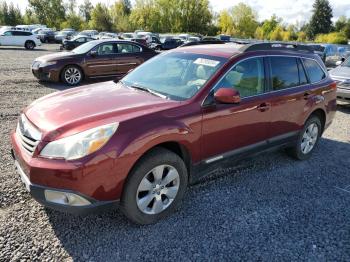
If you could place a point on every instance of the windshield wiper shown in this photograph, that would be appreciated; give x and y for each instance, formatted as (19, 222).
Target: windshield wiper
(148, 91)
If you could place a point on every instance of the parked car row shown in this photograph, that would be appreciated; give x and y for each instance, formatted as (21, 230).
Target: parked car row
(138, 142)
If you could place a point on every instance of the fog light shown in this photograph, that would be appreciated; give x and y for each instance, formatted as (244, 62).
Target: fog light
(65, 198)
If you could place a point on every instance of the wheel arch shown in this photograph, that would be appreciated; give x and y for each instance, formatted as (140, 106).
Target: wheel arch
(72, 64)
(321, 114)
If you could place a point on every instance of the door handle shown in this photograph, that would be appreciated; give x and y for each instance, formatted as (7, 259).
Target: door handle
(307, 95)
(263, 107)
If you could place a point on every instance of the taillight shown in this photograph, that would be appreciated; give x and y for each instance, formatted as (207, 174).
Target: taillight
(333, 86)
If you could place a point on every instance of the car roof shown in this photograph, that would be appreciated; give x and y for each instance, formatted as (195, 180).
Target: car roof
(221, 50)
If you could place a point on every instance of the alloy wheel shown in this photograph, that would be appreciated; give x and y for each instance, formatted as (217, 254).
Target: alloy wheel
(309, 138)
(158, 189)
(72, 75)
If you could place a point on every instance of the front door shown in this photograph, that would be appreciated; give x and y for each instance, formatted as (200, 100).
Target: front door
(232, 128)
(103, 61)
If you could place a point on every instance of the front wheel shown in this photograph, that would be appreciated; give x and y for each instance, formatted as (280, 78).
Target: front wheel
(155, 187)
(72, 75)
(29, 45)
(307, 140)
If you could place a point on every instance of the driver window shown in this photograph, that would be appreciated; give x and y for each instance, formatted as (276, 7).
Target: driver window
(81, 40)
(8, 33)
(106, 49)
(246, 77)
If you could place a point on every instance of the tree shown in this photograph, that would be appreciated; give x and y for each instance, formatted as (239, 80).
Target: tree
(29, 17)
(244, 21)
(225, 22)
(332, 38)
(120, 13)
(321, 20)
(277, 34)
(240, 21)
(85, 10)
(100, 18)
(73, 21)
(340, 24)
(9, 14)
(269, 26)
(146, 16)
(49, 12)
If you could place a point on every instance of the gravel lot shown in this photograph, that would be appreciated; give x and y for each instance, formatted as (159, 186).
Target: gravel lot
(271, 208)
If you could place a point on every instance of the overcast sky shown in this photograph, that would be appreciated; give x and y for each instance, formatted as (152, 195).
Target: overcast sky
(291, 11)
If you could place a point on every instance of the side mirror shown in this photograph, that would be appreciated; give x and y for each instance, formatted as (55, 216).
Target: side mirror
(227, 96)
(93, 53)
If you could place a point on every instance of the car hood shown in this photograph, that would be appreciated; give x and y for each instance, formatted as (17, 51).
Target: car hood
(64, 113)
(341, 72)
(56, 56)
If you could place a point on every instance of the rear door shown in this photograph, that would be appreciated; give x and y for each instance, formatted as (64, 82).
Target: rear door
(290, 91)
(103, 63)
(129, 56)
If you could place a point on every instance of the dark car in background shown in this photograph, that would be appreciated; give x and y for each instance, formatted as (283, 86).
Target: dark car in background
(70, 44)
(46, 35)
(170, 43)
(320, 51)
(203, 42)
(64, 34)
(94, 59)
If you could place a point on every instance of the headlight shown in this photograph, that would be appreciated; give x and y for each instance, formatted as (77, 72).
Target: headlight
(43, 64)
(81, 144)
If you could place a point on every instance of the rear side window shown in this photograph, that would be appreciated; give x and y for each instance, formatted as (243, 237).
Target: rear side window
(128, 48)
(314, 71)
(284, 72)
(21, 33)
(302, 75)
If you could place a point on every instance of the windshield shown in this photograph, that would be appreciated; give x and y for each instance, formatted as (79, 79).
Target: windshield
(178, 76)
(84, 48)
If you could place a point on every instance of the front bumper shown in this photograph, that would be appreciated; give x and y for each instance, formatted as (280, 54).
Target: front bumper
(46, 74)
(38, 193)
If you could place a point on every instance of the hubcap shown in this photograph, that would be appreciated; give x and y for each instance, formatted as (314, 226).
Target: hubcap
(309, 138)
(158, 189)
(72, 75)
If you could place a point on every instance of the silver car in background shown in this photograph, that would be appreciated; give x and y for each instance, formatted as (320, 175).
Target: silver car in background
(341, 74)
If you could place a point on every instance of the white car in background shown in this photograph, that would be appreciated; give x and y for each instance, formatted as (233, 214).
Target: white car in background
(19, 38)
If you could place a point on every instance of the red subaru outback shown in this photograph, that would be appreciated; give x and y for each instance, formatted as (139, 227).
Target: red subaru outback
(142, 140)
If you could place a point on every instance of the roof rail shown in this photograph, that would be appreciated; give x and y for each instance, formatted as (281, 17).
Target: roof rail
(276, 46)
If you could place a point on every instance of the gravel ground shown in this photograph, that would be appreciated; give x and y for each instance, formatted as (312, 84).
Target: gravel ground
(270, 208)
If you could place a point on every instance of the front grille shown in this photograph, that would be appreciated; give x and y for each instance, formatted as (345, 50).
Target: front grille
(27, 135)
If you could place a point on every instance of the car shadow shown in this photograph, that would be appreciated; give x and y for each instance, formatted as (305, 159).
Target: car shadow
(345, 108)
(22, 49)
(201, 222)
(61, 86)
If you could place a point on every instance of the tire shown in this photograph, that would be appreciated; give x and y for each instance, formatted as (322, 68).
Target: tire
(29, 45)
(72, 75)
(146, 200)
(307, 139)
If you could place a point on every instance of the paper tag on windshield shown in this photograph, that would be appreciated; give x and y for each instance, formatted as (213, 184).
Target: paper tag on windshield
(206, 62)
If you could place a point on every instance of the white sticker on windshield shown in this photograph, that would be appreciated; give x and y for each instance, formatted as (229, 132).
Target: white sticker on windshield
(206, 62)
